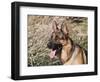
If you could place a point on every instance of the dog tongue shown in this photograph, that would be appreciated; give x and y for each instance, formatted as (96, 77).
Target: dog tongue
(52, 54)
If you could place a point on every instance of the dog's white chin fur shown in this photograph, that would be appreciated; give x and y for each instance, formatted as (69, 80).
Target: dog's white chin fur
(52, 54)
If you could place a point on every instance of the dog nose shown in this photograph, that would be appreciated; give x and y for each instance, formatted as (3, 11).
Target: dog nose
(49, 45)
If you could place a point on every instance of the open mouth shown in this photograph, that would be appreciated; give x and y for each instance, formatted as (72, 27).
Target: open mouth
(55, 49)
(52, 54)
(55, 52)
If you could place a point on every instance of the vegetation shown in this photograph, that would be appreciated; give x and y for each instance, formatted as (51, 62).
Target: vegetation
(39, 31)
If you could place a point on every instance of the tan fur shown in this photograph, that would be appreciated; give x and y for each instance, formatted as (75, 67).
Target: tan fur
(70, 53)
(77, 57)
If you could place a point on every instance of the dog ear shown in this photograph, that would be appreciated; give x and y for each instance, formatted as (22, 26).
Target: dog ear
(64, 28)
(54, 26)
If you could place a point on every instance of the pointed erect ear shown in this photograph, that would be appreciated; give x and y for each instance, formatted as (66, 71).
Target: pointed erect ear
(54, 26)
(64, 28)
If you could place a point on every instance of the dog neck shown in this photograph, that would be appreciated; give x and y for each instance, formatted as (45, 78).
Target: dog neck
(68, 45)
(67, 51)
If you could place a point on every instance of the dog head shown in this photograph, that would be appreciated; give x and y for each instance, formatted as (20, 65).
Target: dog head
(59, 38)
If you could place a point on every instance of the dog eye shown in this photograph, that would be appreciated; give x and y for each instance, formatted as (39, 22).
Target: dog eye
(61, 38)
(56, 38)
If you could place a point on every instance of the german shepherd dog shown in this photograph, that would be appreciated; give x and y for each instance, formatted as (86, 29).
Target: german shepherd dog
(61, 45)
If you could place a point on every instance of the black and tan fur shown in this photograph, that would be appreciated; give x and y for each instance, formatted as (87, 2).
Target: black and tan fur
(67, 51)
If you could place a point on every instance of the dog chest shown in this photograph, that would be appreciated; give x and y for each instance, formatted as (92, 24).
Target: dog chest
(64, 56)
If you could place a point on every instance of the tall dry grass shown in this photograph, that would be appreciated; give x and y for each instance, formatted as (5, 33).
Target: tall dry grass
(39, 31)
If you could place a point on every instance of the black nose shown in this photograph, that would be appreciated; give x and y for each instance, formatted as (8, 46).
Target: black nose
(49, 45)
